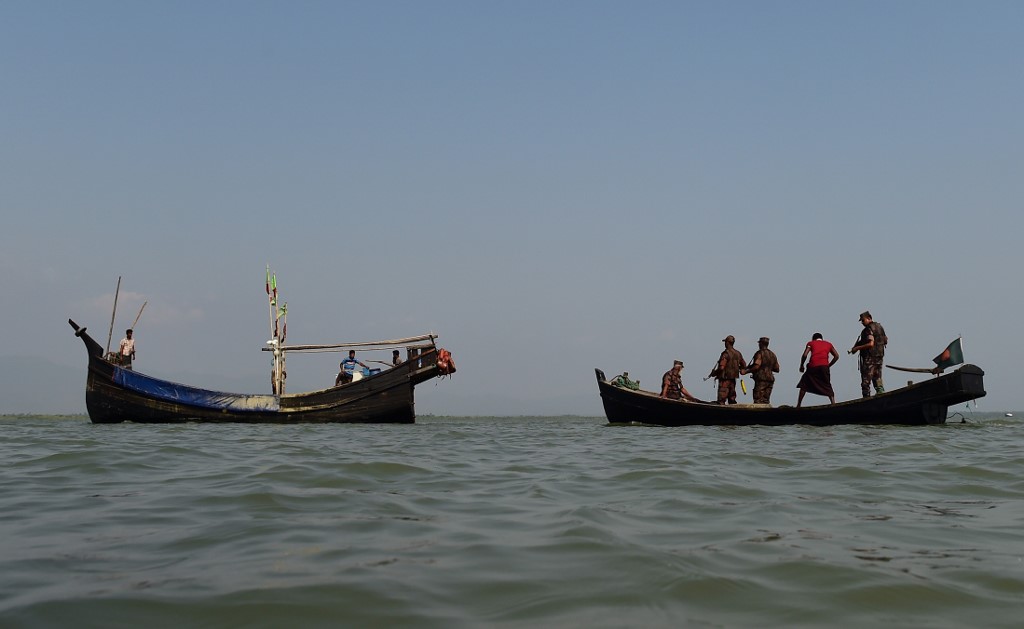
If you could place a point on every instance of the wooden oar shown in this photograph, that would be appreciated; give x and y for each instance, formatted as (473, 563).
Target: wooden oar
(934, 370)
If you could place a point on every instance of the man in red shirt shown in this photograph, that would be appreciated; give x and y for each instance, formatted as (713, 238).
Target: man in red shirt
(818, 377)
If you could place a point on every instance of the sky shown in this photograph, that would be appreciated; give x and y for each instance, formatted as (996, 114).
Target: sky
(551, 187)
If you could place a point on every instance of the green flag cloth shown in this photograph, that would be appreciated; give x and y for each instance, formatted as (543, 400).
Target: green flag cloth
(953, 355)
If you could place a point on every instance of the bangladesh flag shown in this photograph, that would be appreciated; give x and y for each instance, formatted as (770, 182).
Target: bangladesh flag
(952, 355)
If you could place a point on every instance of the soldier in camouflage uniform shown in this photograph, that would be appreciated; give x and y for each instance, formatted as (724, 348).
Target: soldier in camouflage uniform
(672, 384)
(762, 368)
(871, 346)
(730, 363)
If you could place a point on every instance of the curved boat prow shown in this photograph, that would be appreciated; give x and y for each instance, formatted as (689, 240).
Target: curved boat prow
(90, 344)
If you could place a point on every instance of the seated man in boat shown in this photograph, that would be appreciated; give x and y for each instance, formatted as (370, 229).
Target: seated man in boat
(396, 360)
(672, 383)
(348, 367)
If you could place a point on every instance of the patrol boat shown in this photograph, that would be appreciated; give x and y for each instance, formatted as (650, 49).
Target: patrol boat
(920, 403)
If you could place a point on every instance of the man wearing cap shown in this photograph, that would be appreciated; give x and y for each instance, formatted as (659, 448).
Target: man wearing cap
(730, 363)
(672, 383)
(763, 367)
(871, 346)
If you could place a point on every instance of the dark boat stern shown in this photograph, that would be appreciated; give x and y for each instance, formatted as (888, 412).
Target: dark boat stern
(972, 381)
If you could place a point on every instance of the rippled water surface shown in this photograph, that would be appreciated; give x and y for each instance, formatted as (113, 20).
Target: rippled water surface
(510, 522)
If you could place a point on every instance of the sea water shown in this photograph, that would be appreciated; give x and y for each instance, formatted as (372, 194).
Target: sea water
(510, 522)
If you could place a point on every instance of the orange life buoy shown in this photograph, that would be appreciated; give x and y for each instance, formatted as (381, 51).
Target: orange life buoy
(445, 363)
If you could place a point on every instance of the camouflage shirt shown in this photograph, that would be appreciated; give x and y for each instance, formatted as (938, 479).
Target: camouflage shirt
(672, 384)
(768, 367)
(730, 363)
(873, 331)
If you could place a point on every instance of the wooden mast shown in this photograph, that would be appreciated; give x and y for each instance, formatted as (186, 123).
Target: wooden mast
(277, 370)
(113, 314)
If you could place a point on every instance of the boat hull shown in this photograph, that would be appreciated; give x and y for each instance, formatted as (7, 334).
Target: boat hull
(922, 403)
(114, 395)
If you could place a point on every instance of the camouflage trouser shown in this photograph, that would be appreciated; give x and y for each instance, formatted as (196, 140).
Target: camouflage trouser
(763, 391)
(727, 391)
(871, 374)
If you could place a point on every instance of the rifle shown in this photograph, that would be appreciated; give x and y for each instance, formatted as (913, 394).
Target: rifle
(860, 355)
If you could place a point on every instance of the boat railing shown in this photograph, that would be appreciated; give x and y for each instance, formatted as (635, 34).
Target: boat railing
(421, 349)
(408, 342)
(423, 354)
(115, 358)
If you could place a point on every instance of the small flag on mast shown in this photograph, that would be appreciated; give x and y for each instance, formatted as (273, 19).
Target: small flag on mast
(952, 355)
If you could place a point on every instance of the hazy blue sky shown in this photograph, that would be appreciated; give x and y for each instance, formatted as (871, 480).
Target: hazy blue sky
(551, 186)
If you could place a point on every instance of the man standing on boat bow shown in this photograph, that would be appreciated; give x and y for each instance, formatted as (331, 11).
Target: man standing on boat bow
(728, 370)
(126, 351)
(871, 346)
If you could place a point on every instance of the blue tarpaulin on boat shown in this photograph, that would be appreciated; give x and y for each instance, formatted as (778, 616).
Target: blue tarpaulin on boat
(185, 394)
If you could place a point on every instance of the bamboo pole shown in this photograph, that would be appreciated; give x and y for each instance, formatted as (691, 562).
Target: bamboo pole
(134, 323)
(399, 342)
(110, 333)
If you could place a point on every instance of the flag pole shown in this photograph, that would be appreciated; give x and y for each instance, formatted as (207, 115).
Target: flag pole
(276, 340)
(278, 358)
(282, 332)
(270, 302)
(271, 298)
(113, 314)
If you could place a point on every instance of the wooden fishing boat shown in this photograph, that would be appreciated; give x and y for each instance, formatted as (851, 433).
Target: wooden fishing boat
(925, 402)
(116, 394)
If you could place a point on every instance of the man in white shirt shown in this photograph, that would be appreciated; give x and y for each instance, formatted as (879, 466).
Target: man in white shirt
(127, 349)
